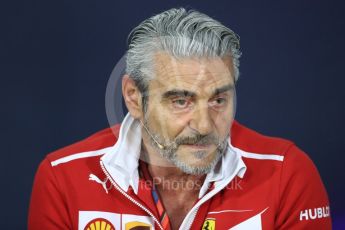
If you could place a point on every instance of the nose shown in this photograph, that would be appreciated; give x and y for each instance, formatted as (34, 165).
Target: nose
(201, 120)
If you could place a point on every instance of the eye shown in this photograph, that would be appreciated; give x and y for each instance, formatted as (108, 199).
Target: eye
(218, 103)
(181, 103)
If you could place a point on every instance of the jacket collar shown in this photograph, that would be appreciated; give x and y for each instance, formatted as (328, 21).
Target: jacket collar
(121, 160)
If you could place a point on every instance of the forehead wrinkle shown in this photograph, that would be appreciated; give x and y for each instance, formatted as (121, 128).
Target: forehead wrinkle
(189, 84)
(166, 72)
(166, 68)
(168, 75)
(171, 75)
(195, 81)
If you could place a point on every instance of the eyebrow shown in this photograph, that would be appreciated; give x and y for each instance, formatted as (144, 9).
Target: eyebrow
(223, 89)
(178, 93)
(187, 93)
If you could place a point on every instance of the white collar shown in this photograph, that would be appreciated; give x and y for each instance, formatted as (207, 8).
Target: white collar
(121, 161)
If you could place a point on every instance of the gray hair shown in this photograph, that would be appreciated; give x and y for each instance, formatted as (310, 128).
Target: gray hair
(181, 34)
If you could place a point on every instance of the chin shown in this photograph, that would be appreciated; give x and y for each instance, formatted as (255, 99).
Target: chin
(197, 165)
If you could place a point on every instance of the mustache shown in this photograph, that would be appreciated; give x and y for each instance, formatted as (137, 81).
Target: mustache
(197, 139)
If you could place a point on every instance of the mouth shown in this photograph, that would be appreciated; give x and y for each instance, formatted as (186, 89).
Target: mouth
(198, 146)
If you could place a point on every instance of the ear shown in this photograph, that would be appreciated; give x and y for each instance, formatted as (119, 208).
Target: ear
(132, 97)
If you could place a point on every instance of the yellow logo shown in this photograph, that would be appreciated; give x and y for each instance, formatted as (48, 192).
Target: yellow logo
(209, 224)
(99, 224)
(136, 225)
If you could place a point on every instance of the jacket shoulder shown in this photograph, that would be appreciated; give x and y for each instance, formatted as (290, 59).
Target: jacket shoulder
(99, 140)
(251, 141)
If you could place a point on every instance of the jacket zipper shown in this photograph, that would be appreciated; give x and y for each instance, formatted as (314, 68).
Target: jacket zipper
(201, 201)
(129, 197)
(193, 213)
(191, 220)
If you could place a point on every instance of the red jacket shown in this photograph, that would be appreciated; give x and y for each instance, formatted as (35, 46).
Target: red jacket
(271, 185)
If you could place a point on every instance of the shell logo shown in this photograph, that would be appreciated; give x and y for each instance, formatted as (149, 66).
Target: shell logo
(99, 224)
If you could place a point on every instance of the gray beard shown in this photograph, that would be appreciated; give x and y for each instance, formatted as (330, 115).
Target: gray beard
(170, 149)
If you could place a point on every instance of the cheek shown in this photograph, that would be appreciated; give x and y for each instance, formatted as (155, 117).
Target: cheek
(167, 124)
(223, 123)
(175, 124)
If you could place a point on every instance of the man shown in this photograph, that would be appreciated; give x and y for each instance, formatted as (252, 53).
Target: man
(179, 160)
